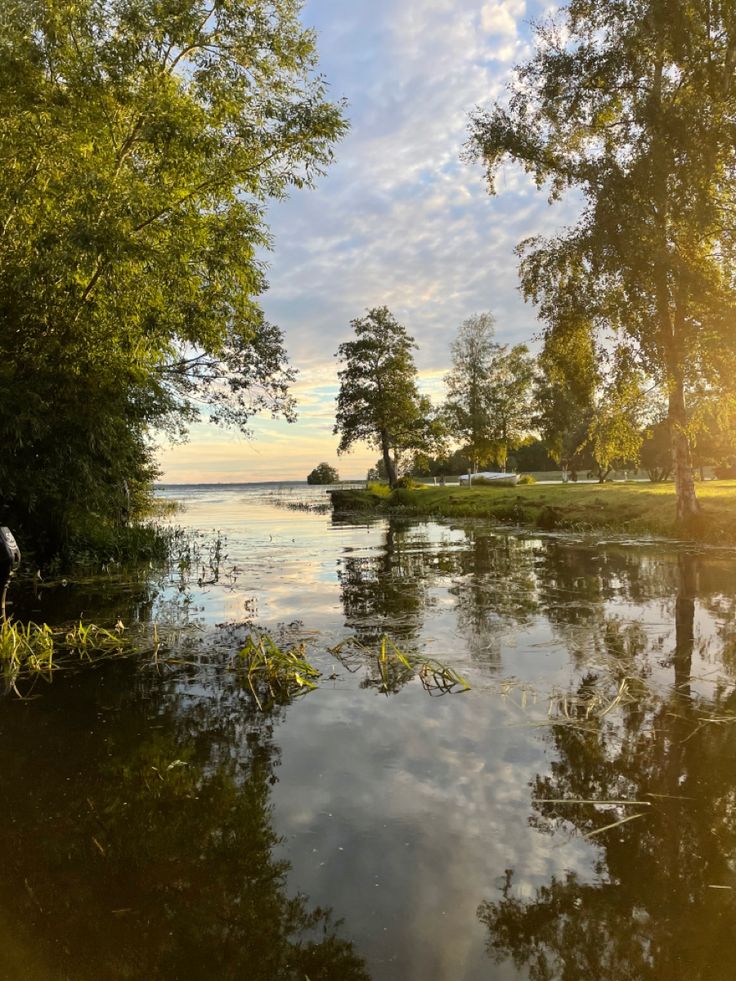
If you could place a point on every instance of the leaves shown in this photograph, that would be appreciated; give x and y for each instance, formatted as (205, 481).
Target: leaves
(139, 145)
(632, 105)
(378, 402)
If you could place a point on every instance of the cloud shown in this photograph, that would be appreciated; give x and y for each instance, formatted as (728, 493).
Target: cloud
(399, 219)
(502, 17)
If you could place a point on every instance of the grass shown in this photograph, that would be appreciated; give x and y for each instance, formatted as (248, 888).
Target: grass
(394, 667)
(36, 650)
(633, 509)
(274, 676)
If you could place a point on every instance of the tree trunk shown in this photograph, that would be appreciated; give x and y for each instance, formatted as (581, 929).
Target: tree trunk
(685, 623)
(682, 468)
(387, 459)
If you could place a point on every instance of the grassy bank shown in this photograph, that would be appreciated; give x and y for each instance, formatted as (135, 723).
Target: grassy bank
(630, 509)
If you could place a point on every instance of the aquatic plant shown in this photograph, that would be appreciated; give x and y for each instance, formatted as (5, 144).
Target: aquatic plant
(33, 649)
(436, 678)
(273, 675)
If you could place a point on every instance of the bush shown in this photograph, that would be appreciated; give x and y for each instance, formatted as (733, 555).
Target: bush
(408, 483)
(526, 478)
(323, 474)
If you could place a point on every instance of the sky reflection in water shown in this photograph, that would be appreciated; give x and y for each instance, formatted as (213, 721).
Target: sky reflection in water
(158, 826)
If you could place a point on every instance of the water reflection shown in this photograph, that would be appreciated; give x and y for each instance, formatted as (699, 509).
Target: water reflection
(145, 832)
(662, 903)
(143, 845)
(494, 586)
(385, 591)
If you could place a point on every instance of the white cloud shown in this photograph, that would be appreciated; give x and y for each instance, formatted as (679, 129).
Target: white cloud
(502, 17)
(399, 219)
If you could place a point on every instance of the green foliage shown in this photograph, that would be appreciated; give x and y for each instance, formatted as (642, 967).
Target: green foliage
(139, 145)
(488, 407)
(408, 482)
(394, 667)
(32, 649)
(323, 473)
(526, 478)
(615, 428)
(510, 399)
(378, 402)
(632, 104)
(656, 452)
(274, 676)
(378, 489)
(533, 455)
(468, 409)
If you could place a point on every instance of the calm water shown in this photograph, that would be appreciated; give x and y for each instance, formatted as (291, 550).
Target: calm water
(157, 825)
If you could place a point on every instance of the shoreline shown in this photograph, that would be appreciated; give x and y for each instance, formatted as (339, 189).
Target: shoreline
(637, 509)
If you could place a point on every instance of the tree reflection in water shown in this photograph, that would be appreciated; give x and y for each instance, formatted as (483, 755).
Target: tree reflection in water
(496, 587)
(386, 594)
(150, 854)
(655, 909)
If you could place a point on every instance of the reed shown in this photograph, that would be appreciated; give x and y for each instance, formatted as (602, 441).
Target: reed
(273, 675)
(35, 650)
(436, 678)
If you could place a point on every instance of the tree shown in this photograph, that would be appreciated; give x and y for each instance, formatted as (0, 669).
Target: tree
(656, 452)
(467, 408)
(378, 402)
(509, 399)
(616, 428)
(713, 431)
(323, 473)
(139, 145)
(564, 393)
(632, 104)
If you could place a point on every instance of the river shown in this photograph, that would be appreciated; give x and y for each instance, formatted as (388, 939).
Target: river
(572, 815)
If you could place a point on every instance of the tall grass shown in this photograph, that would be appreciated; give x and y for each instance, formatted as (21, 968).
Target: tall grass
(273, 675)
(35, 650)
(436, 678)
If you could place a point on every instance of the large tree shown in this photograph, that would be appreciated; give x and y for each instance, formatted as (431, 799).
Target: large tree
(468, 408)
(378, 402)
(510, 399)
(139, 144)
(632, 104)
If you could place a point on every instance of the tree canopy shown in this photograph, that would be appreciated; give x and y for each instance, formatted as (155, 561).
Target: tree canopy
(632, 104)
(323, 473)
(139, 145)
(468, 407)
(379, 402)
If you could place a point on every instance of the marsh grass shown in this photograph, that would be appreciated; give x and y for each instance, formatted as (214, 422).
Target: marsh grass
(274, 676)
(436, 678)
(36, 650)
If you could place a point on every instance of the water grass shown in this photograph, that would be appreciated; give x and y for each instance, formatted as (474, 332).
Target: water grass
(273, 675)
(436, 678)
(36, 650)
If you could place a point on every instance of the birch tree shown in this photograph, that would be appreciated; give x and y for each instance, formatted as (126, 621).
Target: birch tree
(632, 104)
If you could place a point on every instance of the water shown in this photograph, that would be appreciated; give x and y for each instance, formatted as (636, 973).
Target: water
(157, 825)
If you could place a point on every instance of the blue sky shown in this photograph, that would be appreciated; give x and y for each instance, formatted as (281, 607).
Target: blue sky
(398, 220)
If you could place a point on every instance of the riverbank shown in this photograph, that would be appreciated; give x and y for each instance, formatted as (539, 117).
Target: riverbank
(633, 509)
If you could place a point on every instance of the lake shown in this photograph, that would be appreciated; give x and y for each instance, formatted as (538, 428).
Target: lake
(572, 815)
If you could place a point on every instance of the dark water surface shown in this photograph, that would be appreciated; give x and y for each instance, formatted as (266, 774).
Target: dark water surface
(156, 824)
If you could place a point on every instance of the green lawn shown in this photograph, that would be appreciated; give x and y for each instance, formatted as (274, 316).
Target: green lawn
(632, 509)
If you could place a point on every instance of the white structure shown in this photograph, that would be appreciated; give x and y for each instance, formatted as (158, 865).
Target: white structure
(489, 477)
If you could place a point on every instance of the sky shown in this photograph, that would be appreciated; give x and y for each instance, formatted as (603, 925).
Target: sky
(399, 220)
